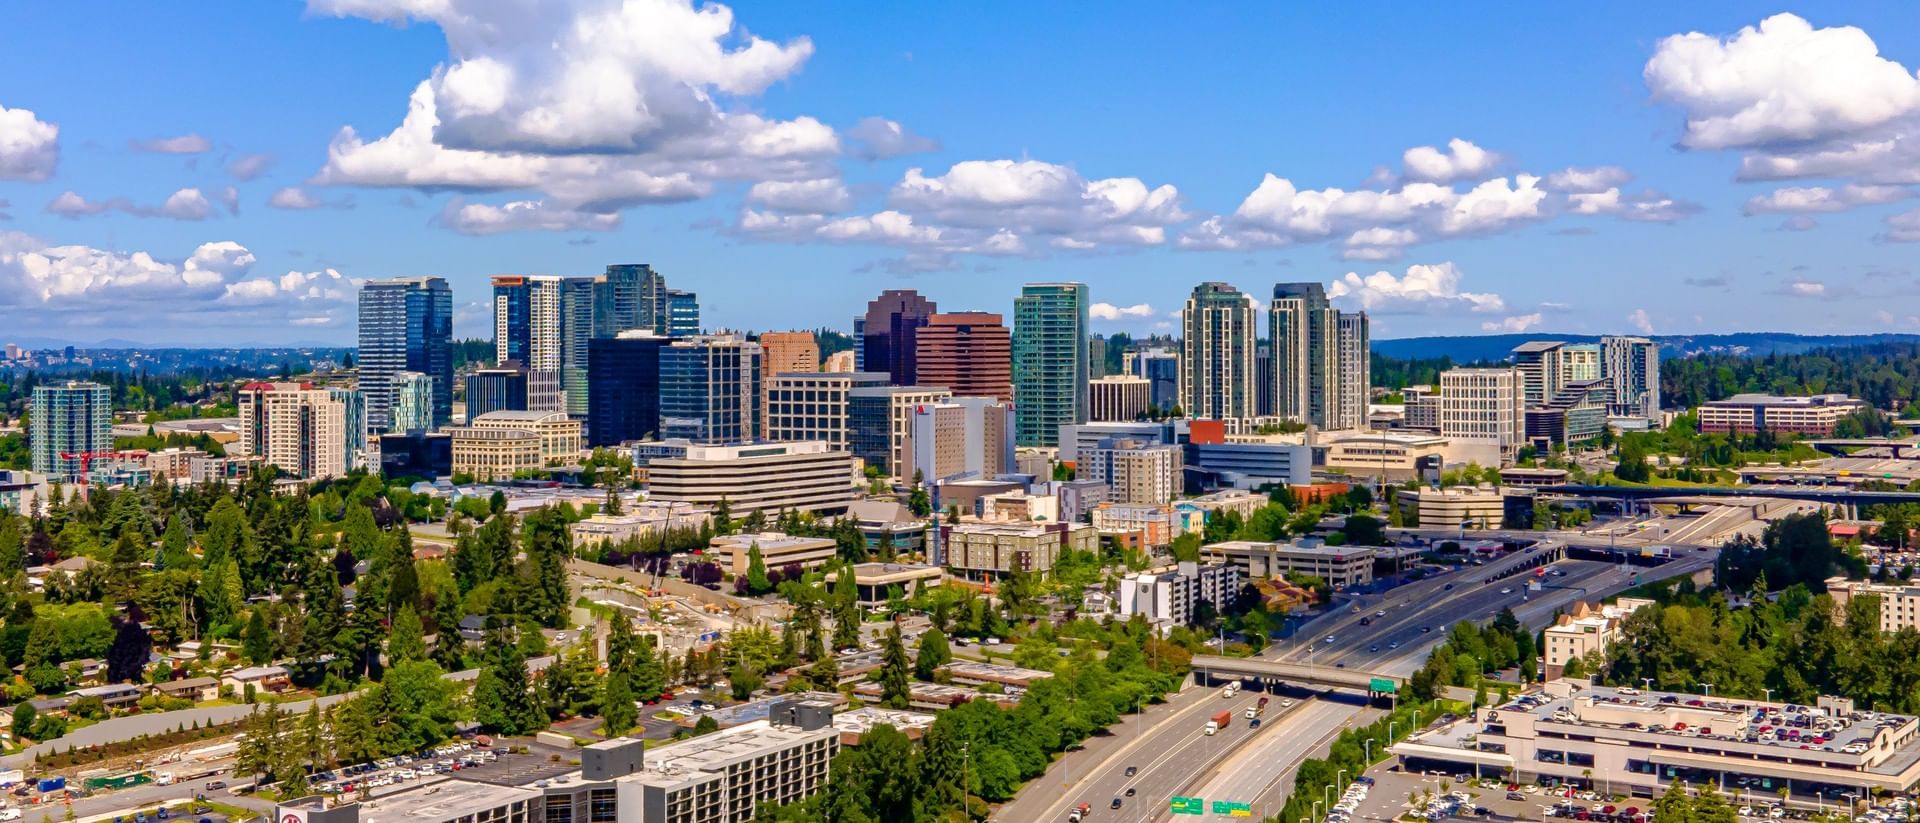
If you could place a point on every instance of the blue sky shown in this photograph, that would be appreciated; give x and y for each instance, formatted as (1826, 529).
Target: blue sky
(1611, 179)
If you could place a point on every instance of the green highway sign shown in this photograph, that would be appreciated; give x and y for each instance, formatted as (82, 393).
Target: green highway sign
(1381, 685)
(1187, 805)
(1233, 808)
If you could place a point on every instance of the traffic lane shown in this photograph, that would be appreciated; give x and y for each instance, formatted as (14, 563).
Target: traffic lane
(1468, 599)
(1260, 770)
(1175, 767)
(1101, 757)
(1171, 753)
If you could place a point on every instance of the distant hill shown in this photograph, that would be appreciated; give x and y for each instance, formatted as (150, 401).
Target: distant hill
(1468, 349)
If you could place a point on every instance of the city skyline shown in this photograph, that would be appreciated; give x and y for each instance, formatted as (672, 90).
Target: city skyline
(790, 166)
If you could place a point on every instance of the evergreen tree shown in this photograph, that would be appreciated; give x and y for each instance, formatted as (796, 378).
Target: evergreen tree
(617, 711)
(13, 552)
(846, 612)
(896, 680)
(258, 643)
(757, 582)
(649, 677)
(1674, 804)
(176, 547)
(407, 639)
(933, 654)
(449, 648)
(620, 642)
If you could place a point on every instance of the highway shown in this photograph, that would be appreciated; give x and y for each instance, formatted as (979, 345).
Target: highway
(1174, 756)
(1261, 773)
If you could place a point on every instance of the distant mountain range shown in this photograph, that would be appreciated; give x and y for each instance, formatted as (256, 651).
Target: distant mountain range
(1493, 347)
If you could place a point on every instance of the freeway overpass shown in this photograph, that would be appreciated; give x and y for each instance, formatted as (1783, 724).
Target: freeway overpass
(1815, 494)
(1266, 670)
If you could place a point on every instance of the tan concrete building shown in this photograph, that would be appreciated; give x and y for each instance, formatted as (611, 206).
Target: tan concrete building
(1473, 507)
(764, 477)
(995, 549)
(308, 432)
(559, 435)
(1899, 602)
(782, 352)
(1117, 398)
(777, 550)
(1391, 454)
(494, 453)
(1340, 566)
(1586, 631)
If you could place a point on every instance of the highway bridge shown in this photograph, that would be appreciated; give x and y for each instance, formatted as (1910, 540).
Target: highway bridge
(1816, 494)
(1267, 670)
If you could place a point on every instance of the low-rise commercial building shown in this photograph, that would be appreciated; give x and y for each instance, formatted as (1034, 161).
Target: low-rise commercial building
(777, 550)
(1397, 456)
(995, 549)
(763, 477)
(640, 522)
(1238, 501)
(558, 434)
(1467, 507)
(1584, 633)
(1340, 566)
(1749, 413)
(874, 583)
(969, 673)
(1527, 477)
(1173, 596)
(488, 454)
(1155, 526)
(1019, 506)
(1625, 741)
(723, 777)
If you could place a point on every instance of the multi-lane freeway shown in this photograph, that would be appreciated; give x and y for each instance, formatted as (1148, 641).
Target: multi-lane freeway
(1171, 754)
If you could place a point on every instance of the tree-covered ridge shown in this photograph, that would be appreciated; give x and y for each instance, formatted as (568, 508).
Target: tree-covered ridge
(1886, 375)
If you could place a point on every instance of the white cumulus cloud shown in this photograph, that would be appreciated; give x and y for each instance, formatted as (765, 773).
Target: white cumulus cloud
(29, 147)
(1109, 311)
(605, 76)
(1792, 200)
(1640, 321)
(1461, 160)
(821, 196)
(34, 272)
(1513, 324)
(1422, 289)
(1781, 82)
(521, 215)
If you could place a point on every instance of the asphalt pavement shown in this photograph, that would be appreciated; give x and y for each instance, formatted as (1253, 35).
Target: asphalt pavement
(1256, 766)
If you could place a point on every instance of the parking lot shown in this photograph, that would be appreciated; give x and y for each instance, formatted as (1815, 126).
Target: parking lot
(1441, 797)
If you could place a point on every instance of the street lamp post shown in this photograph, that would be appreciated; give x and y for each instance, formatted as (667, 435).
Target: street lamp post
(1769, 693)
(1648, 682)
(1708, 687)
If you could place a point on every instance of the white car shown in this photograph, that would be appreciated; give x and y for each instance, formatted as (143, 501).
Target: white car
(1507, 590)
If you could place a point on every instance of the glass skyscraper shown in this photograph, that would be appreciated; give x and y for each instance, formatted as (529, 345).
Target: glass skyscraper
(577, 325)
(624, 375)
(406, 325)
(68, 420)
(1050, 369)
(412, 407)
(1218, 358)
(710, 389)
(683, 314)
